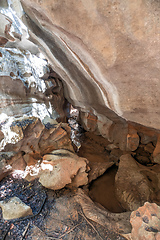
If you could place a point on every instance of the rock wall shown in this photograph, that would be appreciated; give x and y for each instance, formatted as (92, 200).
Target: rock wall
(107, 53)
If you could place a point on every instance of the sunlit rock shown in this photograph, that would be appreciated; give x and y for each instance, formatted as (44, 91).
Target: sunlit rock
(54, 138)
(15, 208)
(24, 93)
(132, 140)
(61, 168)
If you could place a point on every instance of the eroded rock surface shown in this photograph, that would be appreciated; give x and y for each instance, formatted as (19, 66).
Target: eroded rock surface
(15, 208)
(111, 47)
(146, 222)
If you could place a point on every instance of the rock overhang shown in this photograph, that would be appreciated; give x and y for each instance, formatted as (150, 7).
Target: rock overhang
(106, 53)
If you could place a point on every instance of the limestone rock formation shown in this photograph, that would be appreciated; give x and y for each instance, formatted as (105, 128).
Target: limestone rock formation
(97, 169)
(145, 222)
(5, 30)
(15, 208)
(61, 168)
(132, 186)
(113, 52)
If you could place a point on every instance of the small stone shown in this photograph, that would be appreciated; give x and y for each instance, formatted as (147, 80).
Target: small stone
(143, 159)
(132, 140)
(110, 147)
(15, 208)
(62, 167)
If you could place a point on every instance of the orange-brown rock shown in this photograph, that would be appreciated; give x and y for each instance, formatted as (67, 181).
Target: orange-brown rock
(89, 121)
(29, 159)
(145, 222)
(55, 138)
(61, 168)
(132, 139)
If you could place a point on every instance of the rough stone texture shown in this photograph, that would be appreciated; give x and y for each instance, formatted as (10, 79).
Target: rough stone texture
(121, 73)
(5, 33)
(115, 155)
(14, 208)
(24, 92)
(38, 139)
(156, 153)
(61, 168)
(55, 138)
(97, 169)
(89, 121)
(132, 187)
(146, 222)
(17, 162)
(118, 135)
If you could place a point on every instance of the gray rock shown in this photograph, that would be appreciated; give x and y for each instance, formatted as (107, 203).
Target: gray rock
(15, 208)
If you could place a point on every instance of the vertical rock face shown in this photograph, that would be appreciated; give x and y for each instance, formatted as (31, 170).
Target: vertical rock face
(107, 52)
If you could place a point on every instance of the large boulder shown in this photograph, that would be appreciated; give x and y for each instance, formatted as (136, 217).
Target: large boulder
(132, 186)
(61, 168)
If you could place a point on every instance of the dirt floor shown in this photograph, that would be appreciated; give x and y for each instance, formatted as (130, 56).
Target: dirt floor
(57, 215)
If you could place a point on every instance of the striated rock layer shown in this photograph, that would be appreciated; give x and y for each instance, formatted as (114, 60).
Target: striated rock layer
(107, 53)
